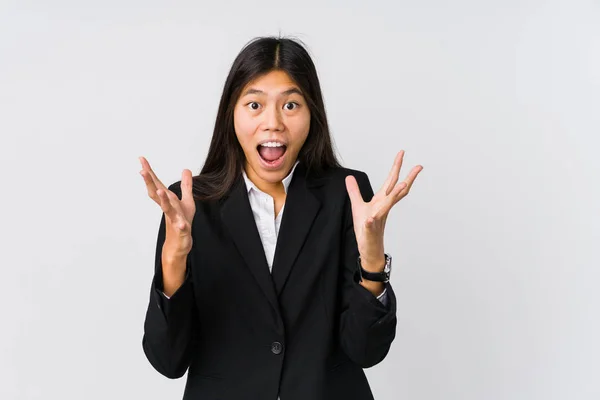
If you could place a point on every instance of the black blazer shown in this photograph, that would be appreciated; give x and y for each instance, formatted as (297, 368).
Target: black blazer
(305, 332)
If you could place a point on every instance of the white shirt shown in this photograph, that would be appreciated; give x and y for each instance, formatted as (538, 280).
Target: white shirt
(263, 209)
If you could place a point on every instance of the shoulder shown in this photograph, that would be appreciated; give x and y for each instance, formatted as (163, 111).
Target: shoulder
(337, 174)
(334, 180)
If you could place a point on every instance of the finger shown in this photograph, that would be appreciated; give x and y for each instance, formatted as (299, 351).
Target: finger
(394, 173)
(148, 180)
(165, 204)
(170, 207)
(353, 191)
(382, 212)
(398, 192)
(150, 186)
(146, 167)
(186, 186)
(410, 179)
(171, 214)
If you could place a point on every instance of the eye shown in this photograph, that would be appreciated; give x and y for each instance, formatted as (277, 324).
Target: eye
(291, 103)
(253, 105)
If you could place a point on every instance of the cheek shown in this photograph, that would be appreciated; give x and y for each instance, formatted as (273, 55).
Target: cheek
(300, 128)
(244, 128)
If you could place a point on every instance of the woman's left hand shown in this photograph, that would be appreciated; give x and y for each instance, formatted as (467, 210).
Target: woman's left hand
(369, 218)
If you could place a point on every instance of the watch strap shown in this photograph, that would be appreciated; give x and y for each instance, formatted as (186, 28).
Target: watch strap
(383, 276)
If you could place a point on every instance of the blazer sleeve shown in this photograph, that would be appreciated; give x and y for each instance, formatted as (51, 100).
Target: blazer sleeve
(170, 323)
(367, 327)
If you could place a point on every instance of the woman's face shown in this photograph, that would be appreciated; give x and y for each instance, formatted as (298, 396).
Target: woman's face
(271, 120)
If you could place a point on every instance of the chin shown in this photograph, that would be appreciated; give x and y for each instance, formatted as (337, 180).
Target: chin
(272, 172)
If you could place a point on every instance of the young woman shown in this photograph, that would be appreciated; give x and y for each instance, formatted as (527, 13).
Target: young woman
(271, 279)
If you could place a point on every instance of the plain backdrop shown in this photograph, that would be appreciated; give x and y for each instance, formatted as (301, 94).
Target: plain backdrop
(495, 249)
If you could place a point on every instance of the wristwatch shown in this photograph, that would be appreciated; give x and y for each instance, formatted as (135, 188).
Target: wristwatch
(383, 276)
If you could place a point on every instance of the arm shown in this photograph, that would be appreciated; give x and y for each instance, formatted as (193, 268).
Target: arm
(170, 323)
(367, 327)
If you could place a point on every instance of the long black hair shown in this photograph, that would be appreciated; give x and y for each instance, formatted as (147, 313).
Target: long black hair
(260, 56)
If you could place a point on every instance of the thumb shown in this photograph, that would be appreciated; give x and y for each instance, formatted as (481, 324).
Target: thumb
(186, 186)
(353, 191)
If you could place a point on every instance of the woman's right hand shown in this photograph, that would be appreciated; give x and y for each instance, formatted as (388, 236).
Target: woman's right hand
(179, 214)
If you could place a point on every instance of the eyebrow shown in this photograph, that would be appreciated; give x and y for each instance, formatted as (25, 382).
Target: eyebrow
(284, 93)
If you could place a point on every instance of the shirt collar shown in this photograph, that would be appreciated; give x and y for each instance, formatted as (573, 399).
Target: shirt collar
(286, 181)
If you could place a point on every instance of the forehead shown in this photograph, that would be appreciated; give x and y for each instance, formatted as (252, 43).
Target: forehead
(274, 81)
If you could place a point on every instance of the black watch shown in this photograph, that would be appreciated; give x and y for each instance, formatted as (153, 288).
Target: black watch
(383, 276)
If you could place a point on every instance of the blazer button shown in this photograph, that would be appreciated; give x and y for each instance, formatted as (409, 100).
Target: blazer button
(276, 347)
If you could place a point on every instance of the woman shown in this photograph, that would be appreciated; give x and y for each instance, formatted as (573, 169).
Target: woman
(271, 279)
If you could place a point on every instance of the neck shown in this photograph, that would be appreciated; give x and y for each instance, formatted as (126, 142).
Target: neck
(273, 189)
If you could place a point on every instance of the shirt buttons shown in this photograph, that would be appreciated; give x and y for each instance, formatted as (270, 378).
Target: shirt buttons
(276, 348)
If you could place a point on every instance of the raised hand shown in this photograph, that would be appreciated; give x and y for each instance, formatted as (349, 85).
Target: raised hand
(179, 214)
(369, 217)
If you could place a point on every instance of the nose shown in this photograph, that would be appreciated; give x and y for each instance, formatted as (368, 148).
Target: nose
(273, 119)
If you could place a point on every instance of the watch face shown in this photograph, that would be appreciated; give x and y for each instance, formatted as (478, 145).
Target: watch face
(388, 264)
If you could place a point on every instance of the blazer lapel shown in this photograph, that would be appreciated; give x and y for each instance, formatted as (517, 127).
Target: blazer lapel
(300, 210)
(237, 216)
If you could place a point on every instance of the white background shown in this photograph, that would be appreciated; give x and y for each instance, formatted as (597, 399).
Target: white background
(495, 249)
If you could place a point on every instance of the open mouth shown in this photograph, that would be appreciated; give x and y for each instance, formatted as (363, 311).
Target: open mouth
(271, 153)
